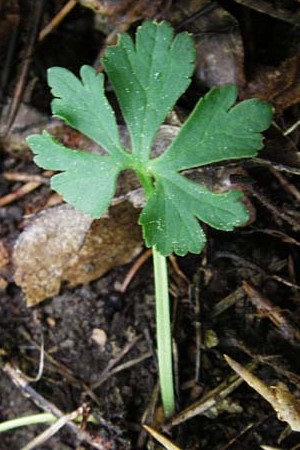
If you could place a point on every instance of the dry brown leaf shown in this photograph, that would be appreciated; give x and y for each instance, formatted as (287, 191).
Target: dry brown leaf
(219, 46)
(280, 85)
(114, 16)
(286, 10)
(62, 244)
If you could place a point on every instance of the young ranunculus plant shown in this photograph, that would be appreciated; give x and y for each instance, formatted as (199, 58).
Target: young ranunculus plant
(148, 76)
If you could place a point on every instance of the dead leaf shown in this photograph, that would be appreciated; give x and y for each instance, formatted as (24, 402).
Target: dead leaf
(117, 15)
(280, 85)
(28, 121)
(62, 244)
(286, 10)
(219, 46)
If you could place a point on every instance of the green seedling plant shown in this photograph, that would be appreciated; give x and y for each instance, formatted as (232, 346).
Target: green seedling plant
(148, 76)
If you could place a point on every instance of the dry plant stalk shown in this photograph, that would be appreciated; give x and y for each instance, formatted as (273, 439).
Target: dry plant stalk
(287, 407)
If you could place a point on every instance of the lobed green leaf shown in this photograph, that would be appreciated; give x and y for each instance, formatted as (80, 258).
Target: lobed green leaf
(87, 181)
(148, 78)
(170, 216)
(83, 105)
(216, 132)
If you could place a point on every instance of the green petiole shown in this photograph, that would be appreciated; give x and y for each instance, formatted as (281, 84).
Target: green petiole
(163, 332)
(163, 321)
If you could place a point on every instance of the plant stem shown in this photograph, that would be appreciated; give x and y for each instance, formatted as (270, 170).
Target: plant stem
(163, 330)
(35, 419)
(163, 321)
(27, 420)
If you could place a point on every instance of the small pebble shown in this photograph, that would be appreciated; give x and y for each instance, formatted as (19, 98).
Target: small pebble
(99, 337)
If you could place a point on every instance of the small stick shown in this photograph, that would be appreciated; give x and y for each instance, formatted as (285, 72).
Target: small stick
(291, 189)
(18, 380)
(41, 363)
(265, 306)
(16, 176)
(177, 269)
(67, 8)
(292, 128)
(27, 58)
(134, 269)
(148, 416)
(107, 371)
(128, 364)
(198, 329)
(238, 436)
(286, 14)
(209, 400)
(228, 301)
(53, 429)
(166, 443)
(138, 264)
(276, 212)
(19, 193)
(286, 282)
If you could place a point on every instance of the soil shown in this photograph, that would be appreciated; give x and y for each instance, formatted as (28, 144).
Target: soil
(240, 297)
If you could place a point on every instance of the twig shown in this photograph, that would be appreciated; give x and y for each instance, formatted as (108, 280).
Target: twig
(17, 176)
(41, 364)
(134, 269)
(18, 380)
(128, 365)
(19, 193)
(283, 402)
(209, 400)
(276, 234)
(274, 361)
(148, 416)
(113, 362)
(276, 212)
(53, 429)
(177, 269)
(292, 128)
(287, 330)
(195, 300)
(67, 8)
(166, 443)
(290, 188)
(27, 58)
(228, 301)
(238, 436)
